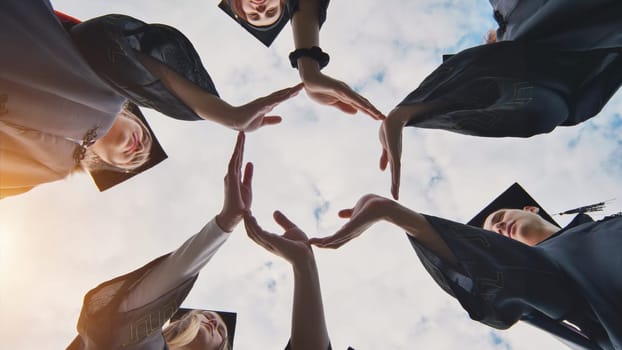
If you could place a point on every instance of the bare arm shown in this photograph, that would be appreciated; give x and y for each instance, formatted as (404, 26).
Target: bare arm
(308, 330)
(247, 117)
(321, 87)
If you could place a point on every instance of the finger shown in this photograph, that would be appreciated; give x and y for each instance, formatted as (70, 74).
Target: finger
(253, 231)
(393, 146)
(363, 104)
(345, 213)
(271, 120)
(344, 107)
(240, 150)
(384, 160)
(282, 220)
(248, 176)
(234, 166)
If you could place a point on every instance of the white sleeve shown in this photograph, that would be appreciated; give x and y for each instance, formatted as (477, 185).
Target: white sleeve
(180, 265)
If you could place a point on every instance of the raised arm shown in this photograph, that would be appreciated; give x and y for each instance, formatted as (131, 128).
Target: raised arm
(308, 330)
(187, 260)
(320, 87)
(371, 209)
(247, 117)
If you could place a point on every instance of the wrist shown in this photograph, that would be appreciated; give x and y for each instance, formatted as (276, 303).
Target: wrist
(314, 53)
(393, 212)
(304, 265)
(308, 69)
(227, 222)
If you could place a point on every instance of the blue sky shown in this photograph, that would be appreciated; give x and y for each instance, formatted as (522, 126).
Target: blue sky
(60, 240)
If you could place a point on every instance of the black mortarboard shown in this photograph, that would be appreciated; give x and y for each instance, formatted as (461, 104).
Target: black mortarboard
(265, 34)
(230, 319)
(104, 179)
(515, 197)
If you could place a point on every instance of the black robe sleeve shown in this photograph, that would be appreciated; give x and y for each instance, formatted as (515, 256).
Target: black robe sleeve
(109, 44)
(498, 280)
(516, 89)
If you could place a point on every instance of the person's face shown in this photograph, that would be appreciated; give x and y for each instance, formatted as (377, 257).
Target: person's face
(523, 225)
(212, 334)
(261, 13)
(126, 145)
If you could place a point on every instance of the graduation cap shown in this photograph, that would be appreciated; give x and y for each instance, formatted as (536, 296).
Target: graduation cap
(229, 318)
(515, 197)
(106, 178)
(265, 34)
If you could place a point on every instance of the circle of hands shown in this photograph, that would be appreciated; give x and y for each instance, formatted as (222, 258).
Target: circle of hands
(293, 245)
(369, 208)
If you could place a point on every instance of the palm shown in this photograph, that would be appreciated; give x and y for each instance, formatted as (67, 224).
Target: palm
(253, 115)
(326, 90)
(293, 245)
(368, 210)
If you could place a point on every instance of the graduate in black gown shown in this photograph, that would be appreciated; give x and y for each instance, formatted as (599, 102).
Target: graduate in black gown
(265, 19)
(521, 266)
(554, 63)
(67, 88)
(129, 311)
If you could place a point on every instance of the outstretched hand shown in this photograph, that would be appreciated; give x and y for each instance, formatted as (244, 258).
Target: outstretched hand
(293, 245)
(390, 134)
(238, 191)
(329, 91)
(252, 116)
(369, 209)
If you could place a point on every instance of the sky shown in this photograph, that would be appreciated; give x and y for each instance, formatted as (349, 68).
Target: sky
(62, 239)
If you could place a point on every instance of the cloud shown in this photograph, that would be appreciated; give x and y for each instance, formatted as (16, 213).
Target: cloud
(65, 238)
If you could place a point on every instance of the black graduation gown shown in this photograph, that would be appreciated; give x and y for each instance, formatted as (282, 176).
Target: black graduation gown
(84, 73)
(573, 276)
(103, 327)
(553, 66)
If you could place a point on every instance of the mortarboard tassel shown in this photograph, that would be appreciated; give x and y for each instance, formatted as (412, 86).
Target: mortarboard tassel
(586, 209)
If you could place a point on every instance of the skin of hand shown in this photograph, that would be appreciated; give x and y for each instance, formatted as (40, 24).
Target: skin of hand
(320, 87)
(292, 246)
(308, 330)
(252, 116)
(372, 208)
(390, 135)
(368, 210)
(248, 117)
(238, 191)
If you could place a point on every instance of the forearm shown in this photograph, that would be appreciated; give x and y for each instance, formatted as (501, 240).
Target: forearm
(420, 229)
(181, 264)
(204, 104)
(308, 321)
(306, 30)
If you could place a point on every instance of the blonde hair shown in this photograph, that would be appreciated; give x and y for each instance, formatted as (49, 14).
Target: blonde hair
(183, 331)
(92, 162)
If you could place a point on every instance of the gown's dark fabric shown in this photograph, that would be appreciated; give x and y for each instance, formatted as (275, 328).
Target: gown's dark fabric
(568, 25)
(109, 44)
(78, 87)
(103, 327)
(573, 276)
(537, 78)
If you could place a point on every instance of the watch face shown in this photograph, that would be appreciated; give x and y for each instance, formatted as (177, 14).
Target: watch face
(256, 19)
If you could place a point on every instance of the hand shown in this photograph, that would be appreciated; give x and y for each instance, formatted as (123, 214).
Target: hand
(252, 116)
(326, 90)
(368, 210)
(238, 193)
(293, 245)
(391, 141)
